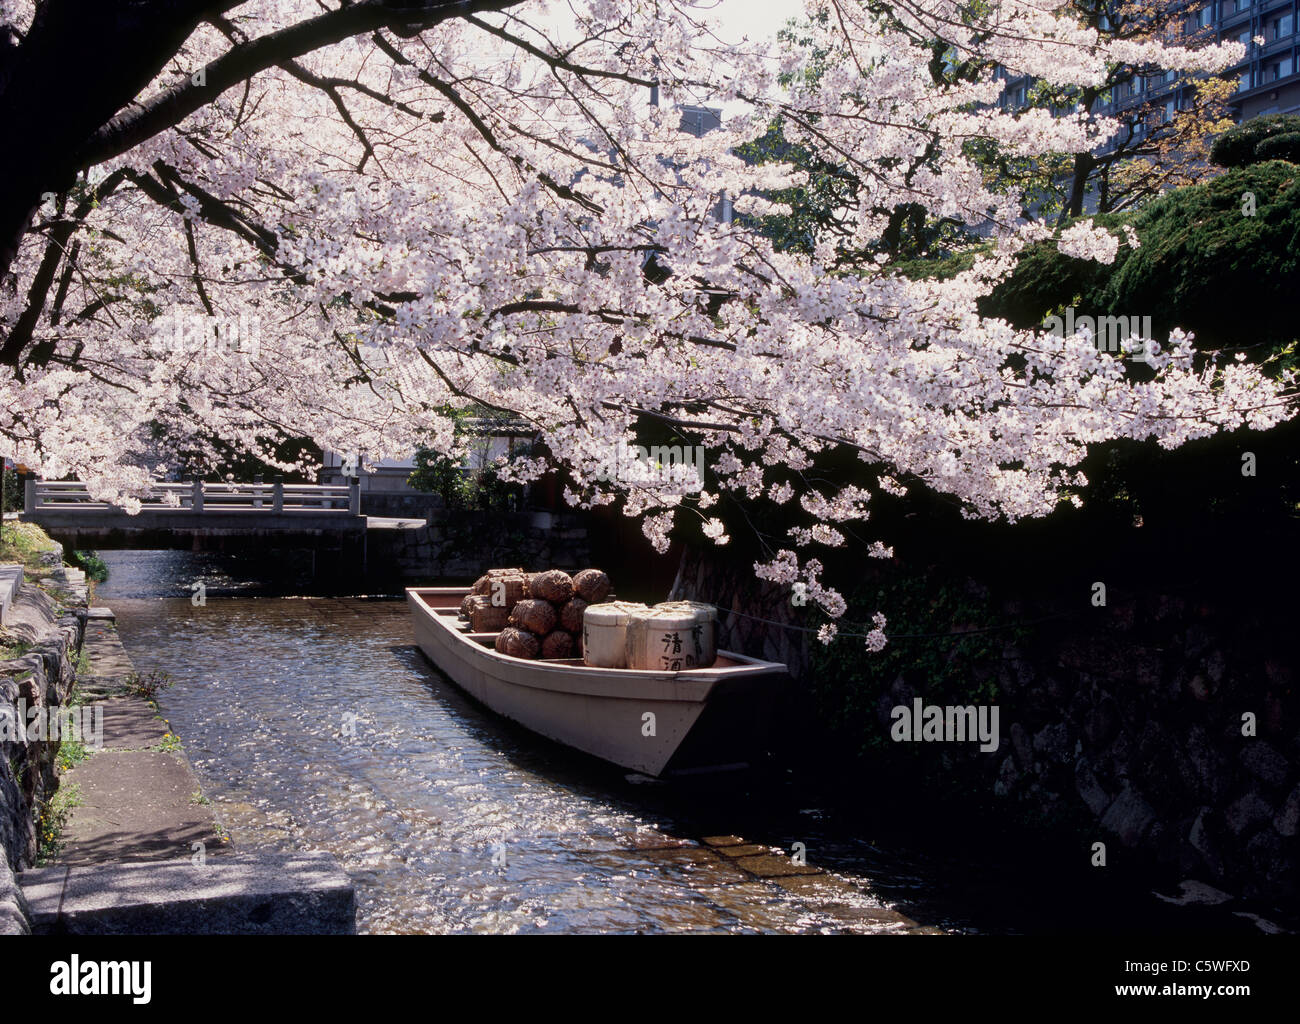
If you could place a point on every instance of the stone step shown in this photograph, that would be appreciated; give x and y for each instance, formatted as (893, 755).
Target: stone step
(136, 804)
(264, 894)
(107, 657)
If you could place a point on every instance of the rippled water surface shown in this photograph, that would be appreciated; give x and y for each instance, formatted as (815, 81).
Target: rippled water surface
(315, 723)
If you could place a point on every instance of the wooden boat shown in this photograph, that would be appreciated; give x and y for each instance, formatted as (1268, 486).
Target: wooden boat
(704, 719)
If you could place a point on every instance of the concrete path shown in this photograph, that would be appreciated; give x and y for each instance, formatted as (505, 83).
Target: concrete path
(11, 580)
(143, 853)
(139, 798)
(298, 894)
(108, 663)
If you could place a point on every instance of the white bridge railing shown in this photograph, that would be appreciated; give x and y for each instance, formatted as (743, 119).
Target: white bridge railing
(197, 496)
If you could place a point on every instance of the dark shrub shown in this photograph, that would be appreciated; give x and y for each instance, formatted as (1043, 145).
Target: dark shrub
(1239, 146)
(1206, 264)
(1280, 147)
(1046, 280)
(1209, 266)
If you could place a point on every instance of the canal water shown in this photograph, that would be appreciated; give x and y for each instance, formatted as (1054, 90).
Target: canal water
(315, 723)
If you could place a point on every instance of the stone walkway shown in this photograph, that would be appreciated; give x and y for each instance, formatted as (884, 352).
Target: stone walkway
(140, 800)
(138, 846)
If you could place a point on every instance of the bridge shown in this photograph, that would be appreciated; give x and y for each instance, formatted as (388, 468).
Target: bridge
(202, 516)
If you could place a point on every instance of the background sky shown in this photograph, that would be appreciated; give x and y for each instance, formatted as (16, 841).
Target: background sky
(737, 20)
(755, 18)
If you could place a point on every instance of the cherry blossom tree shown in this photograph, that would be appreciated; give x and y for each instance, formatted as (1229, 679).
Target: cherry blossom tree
(247, 221)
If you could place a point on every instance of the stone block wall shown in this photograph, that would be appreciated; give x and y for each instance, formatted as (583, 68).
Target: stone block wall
(46, 621)
(1175, 733)
(1163, 725)
(462, 544)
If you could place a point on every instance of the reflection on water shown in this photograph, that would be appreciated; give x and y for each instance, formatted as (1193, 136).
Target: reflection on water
(174, 573)
(314, 723)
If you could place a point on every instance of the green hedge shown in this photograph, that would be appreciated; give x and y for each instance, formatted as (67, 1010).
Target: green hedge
(1241, 146)
(1210, 266)
(1046, 280)
(1280, 147)
(1220, 259)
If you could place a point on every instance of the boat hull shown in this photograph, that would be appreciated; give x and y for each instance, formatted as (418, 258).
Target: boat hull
(640, 720)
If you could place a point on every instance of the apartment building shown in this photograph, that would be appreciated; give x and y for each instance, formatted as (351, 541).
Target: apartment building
(1268, 78)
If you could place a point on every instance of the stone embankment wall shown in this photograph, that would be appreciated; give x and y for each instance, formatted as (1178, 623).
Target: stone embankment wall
(1174, 728)
(462, 544)
(50, 618)
(401, 504)
(747, 609)
(1132, 721)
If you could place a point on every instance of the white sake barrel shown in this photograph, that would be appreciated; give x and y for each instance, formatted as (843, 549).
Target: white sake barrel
(604, 633)
(665, 640)
(706, 626)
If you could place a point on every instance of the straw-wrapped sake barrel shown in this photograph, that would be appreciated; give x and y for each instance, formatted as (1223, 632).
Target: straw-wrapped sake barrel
(554, 586)
(484, 616)
(571, 615)
(604, 633)
(534, 615)
(706, 627)
(558, 644)
(665, 639)
(592, 585)
(506, 591)
(483, 585)
(518, 643)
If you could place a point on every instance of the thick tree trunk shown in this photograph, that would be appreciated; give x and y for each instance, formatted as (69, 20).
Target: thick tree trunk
(1083, 168)
(66, 88)
(78, 66)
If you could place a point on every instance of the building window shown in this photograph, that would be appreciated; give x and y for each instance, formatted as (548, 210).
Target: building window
(1276, 69)
(1282, 26)
(1205, 17)
(1171, 107)
(1243, 82)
